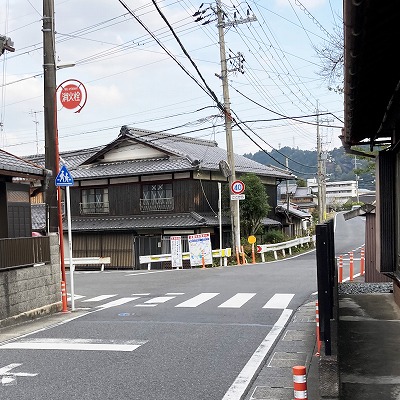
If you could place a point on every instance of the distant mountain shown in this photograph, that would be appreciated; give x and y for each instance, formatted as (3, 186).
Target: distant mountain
(303, 163)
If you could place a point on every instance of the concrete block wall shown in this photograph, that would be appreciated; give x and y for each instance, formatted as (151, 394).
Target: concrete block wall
(29, 292)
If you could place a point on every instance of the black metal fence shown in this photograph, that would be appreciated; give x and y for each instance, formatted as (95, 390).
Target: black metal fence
(20, 252)
(327, 281)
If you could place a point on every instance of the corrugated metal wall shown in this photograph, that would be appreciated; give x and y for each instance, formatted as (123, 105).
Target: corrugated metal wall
(371, 273)
(118, 246)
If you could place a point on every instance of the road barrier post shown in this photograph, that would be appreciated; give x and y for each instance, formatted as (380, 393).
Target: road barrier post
(362, 261)
(318, 337)
(64, 297)
(300, 383)
(340, 271)
(351, 266)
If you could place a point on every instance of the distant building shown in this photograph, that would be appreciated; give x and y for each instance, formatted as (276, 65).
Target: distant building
(337, 193)
(302, 198)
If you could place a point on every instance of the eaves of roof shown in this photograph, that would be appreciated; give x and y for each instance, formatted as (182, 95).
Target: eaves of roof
(16, 166)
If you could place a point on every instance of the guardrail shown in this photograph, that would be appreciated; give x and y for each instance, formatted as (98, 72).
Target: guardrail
(90, 261)
(225, 253)
(275, 247)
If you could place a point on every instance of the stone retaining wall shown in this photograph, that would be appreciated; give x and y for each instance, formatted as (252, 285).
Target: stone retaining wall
(28, 292)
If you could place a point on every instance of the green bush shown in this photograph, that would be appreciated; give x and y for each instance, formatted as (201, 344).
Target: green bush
(275, 236)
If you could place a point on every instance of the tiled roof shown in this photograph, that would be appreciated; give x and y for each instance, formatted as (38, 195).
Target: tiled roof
(134, 167)
(133, 222)
(207, 152)
(16, 165)
(183, 153)
(38, 212)
(72, 158)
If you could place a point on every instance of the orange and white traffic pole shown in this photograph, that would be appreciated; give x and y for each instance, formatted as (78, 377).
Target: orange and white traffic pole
(362, 261)
(203, 261)
(64, 297)
(237, 256)
(318, 338)
(351, 265)
(300, 383)
(243, 257)
(340, 269)
(253, 255)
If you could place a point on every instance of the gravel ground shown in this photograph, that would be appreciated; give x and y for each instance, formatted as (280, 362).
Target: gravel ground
(362, 287)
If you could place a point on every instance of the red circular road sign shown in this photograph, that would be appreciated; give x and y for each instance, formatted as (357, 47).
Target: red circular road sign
(71, 96)
(237, 187)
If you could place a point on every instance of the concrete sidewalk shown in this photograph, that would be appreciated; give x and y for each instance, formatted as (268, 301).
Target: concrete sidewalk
(296, 346)
(364, 364)
(369, 334)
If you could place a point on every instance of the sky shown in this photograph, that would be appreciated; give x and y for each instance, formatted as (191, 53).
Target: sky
(136, 73)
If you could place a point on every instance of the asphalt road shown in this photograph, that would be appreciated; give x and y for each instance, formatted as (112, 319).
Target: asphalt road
(160, 335)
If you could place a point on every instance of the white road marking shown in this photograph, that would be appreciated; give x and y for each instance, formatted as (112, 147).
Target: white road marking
(237, 300)
(100, 298)
(117, 302)
(74, 344)
(244, 379)
(145, 305)
(140, 294)
(279, 301)
(158, 300)
(8, 377)
(173, 294)
(197, 300)
(76, 296)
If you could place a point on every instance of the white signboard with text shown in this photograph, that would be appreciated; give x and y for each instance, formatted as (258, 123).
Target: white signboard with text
(199, 246)
(176, 252)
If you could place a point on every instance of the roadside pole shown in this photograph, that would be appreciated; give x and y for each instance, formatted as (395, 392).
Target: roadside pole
(71, 263)
(64, 178)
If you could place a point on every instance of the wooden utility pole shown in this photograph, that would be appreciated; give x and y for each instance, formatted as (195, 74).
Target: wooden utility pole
(49, 69)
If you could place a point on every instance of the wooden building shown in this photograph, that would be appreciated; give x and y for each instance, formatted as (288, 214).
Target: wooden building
(372, 115)
(131, 195)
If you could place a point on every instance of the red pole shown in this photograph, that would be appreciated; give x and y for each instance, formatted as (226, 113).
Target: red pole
(300, 383)
(340, 272)
(362, 261)
(64, 297)
(351, 267)
(318, 338)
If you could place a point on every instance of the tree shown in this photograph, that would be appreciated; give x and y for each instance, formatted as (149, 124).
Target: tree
(331, 55)
(255, 207)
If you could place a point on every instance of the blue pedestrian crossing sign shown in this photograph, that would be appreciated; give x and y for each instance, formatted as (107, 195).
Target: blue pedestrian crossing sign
(64, 178)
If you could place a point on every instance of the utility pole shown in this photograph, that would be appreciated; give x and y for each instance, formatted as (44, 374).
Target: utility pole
(288, 200)
(49, 69)
(228, 129)
(321, 158)
(234, 204)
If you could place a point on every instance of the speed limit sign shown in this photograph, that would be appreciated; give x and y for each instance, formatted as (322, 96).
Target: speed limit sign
(237, 187)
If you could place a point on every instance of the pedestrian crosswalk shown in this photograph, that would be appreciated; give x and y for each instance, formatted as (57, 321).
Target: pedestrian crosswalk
(279, 301)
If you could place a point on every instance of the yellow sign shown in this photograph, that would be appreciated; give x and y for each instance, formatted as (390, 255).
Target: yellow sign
(251, 239)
